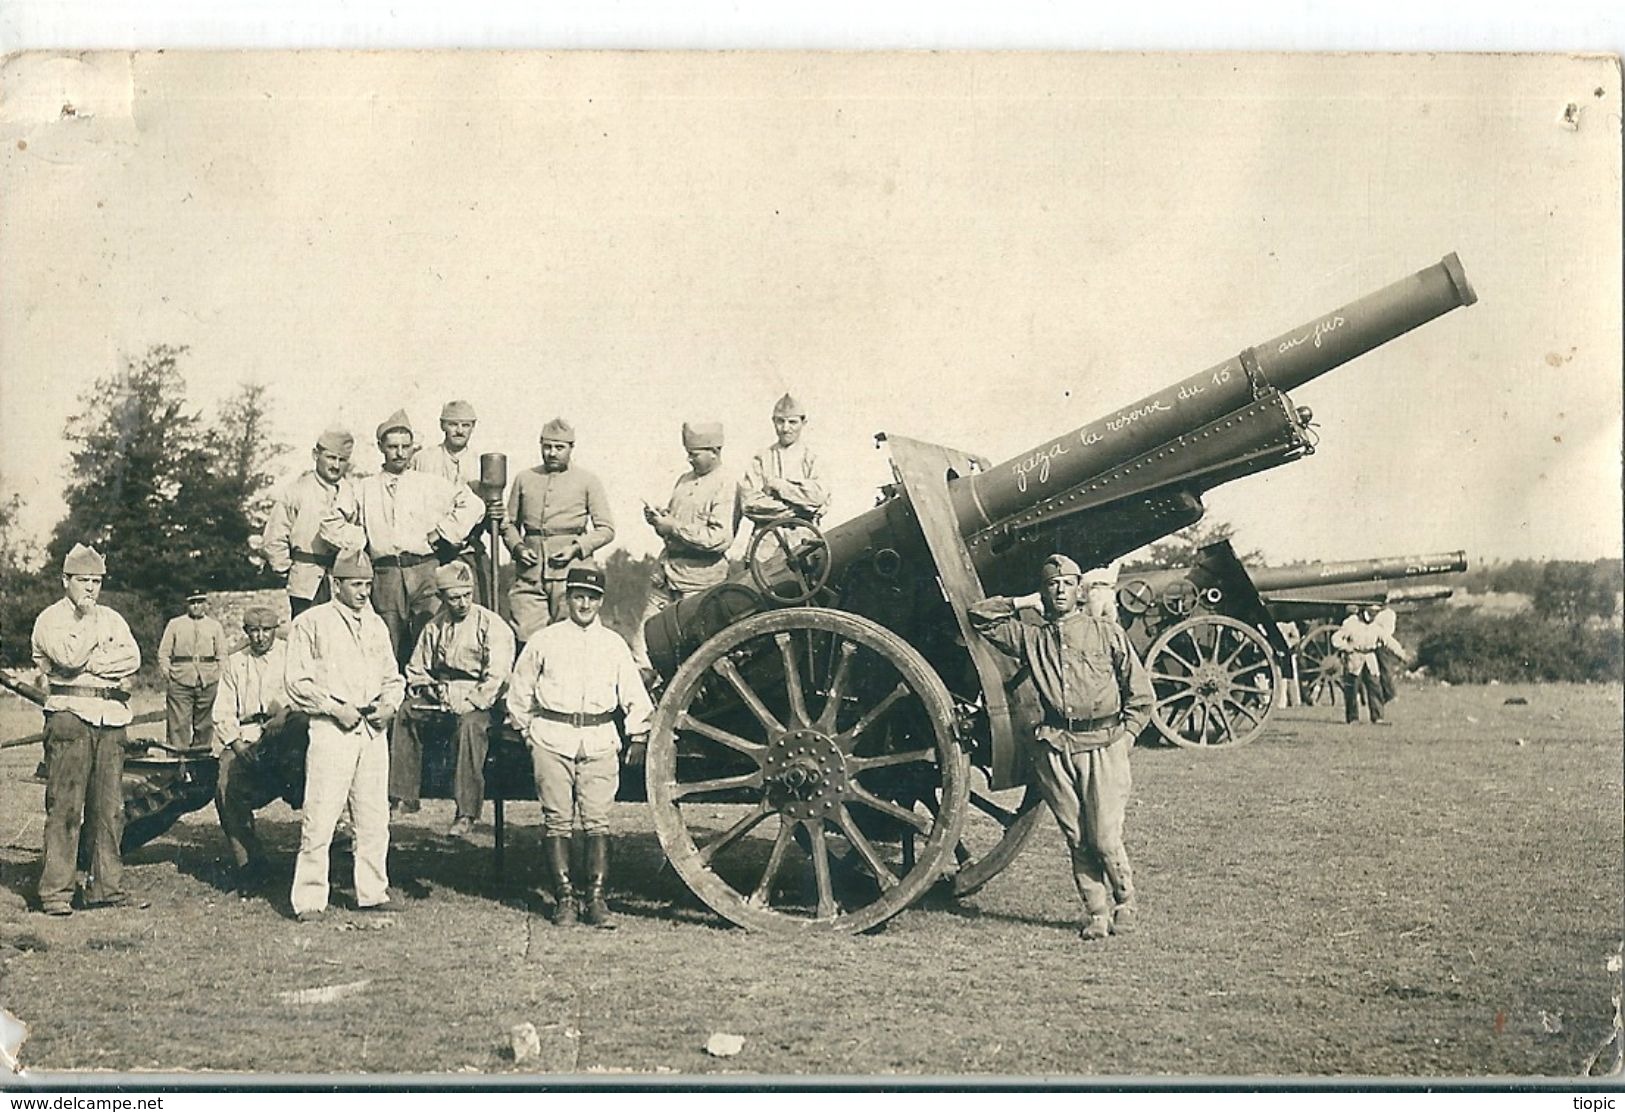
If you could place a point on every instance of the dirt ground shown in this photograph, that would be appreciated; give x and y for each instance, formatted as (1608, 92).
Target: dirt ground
(1441, 898)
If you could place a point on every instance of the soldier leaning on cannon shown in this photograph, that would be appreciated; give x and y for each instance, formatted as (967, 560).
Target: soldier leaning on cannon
(311, 519)
(1097, 697)
(558, 516)
(784, 478)
(571, 680)
(189, 657)
(255, 732)
(462, 659)
(413, 521)
(697, 526)
(84, 652)
(453, 460)
(342, 674)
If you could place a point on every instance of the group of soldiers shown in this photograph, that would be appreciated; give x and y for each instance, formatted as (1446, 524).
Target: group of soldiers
(388, 635)
(394, 633)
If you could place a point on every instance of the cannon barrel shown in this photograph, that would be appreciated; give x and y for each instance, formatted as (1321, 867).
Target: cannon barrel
(987, 499)
(1299, 576)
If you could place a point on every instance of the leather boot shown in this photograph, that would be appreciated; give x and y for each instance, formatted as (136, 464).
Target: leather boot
(597, 911)
(558, 867)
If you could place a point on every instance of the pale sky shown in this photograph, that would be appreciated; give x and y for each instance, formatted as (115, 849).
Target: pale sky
(980, 250)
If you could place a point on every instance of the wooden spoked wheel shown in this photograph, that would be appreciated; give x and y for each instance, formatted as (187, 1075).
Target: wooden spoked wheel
(997, 826)
(1320, 667)
(804, 773)
(1215, 680)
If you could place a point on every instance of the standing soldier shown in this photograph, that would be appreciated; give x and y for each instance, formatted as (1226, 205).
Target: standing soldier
(462, 658)
(698, 525)
(253, 727)
(342, 675)
(189, 657)
(311, 520)
(557, 517)
(84, 652)
(413, 522)
(1359, 638)
(571, 679)
(1096, 698)
(452, 460)
(784, 478)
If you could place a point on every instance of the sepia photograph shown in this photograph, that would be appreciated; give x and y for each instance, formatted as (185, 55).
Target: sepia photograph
(627, 567)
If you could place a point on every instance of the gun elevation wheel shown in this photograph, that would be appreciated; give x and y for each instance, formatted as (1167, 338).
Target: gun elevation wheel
(1215, 681)
(1320, 667)
(804, 773)
(799, 548)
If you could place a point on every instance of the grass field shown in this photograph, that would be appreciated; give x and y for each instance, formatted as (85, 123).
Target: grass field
(1436, 899)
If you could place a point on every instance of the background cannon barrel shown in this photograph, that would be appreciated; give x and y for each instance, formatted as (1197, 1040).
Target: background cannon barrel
(1286, 362)
(1296, 576)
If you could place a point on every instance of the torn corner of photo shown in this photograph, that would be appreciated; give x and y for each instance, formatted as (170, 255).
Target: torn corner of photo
(39, 89)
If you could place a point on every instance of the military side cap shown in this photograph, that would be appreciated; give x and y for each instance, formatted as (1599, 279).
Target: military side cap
(457, 411)
(396, 420)
(84, 560)
(1057, 566)
(1099, 577)
(260, 617)
(352, 563)
(338, 441)
(702, 434)
(559, 429)
(788, 406)
(449, 577)
(588, 577)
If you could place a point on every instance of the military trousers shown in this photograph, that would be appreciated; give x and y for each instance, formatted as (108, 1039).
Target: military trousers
(1372, 683)
(472, 739)
(297, 606)
(343, 766)
(406, 599)
(189, 715)
(535, 605)
(84, 799)
(244, 785)
(1087, 790)
(575, 790)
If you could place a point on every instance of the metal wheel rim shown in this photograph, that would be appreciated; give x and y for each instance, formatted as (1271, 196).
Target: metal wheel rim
(1196, 668)
(973, 873)
(938, 833)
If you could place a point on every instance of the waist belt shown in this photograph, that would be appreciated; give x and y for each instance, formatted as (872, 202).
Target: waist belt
(193, 659)
(579, 718)
(402, 560)
(320, 559)
(1081, 725)
(443, 675)
(532, 531)
(91, 690)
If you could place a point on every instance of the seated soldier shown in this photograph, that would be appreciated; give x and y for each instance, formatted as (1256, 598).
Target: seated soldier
(257, 739)
(462, 659)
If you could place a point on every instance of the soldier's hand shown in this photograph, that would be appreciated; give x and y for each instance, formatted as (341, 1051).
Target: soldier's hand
(347, 717)
(525, 555)
(566, 555)
(496, 511)
(636, 751)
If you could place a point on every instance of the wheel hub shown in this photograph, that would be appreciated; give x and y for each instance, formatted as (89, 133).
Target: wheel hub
(805, 774)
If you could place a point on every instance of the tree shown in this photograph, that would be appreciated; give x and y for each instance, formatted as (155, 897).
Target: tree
(1571, 591)
(241, 440)
(162, 495)
(1178, 550)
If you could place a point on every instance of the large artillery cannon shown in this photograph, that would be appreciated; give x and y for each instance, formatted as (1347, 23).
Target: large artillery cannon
(857, 728)
(1208, 633)
(1320, 594)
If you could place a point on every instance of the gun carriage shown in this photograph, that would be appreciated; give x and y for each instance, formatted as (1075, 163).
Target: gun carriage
(832, 738)
(1320, 595)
